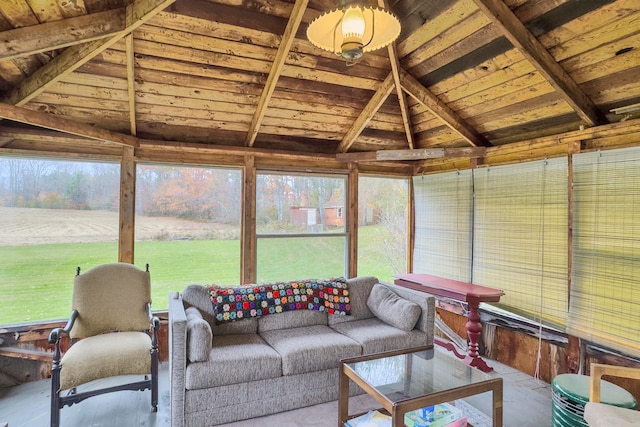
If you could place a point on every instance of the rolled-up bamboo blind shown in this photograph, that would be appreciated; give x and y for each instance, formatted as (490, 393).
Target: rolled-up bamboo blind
(520, 236)
(605, 289)
(443, 218)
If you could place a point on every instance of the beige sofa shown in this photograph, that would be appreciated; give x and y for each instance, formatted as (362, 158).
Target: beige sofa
(227, 372)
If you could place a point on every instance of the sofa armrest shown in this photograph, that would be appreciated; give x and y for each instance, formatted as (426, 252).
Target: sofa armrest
(427, 303)
(177, 357)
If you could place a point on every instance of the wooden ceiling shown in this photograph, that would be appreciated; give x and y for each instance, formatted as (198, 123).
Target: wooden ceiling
(465, 77)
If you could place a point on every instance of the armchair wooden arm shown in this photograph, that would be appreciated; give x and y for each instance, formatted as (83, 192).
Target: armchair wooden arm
(57, 333)
(598, 370)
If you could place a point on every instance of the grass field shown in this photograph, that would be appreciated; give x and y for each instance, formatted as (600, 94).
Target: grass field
(35, 280)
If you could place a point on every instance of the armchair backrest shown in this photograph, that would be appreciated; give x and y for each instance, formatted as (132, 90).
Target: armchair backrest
(111, 297)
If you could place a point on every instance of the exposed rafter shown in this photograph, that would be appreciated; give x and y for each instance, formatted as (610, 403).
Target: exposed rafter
(441, 110)
(49, 121)
(402, 100)
(366, 114)
(137, 13)
(276, 68)
(49, 36)
(515, 31)
(131, 84)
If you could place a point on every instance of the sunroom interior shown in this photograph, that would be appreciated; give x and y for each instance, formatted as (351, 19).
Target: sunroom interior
(495, 142)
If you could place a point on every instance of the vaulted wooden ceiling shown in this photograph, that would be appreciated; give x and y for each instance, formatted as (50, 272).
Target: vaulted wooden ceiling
(465, 76)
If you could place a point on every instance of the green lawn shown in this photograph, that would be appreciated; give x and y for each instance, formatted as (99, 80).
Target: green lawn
(35, 281)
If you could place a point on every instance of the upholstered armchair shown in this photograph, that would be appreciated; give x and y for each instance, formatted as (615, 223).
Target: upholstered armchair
(112, 333)
(599, 414)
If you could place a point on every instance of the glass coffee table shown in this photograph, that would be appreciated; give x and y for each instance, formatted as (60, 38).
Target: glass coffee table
(406, 380)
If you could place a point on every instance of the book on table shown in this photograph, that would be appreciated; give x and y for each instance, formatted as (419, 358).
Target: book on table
(441, 415)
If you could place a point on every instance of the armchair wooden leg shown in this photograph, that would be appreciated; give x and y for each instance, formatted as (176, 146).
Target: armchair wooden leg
(55, 395)
(154, 380)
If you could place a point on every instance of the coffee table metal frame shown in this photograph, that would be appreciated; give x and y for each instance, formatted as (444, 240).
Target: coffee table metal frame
(397, 407)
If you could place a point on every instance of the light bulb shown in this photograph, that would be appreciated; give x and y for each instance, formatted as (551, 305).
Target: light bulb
(353, 24)
(352, 33)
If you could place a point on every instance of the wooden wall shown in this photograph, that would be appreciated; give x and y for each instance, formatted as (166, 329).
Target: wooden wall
(26, 355)
(518, 348)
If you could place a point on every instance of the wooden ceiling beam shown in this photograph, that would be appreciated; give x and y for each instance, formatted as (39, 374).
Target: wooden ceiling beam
(515, 31)
(415, 154)
(441, 110)
(276, 68)
(49, 121)
(136, 14)
(24, 41)
(366, 114)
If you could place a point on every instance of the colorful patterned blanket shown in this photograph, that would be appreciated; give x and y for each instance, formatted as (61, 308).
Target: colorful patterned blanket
(253, 300)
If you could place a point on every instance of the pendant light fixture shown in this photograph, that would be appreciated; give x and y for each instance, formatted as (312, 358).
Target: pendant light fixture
(352, 29)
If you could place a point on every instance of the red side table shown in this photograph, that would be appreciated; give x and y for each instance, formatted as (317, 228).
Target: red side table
(472, 294)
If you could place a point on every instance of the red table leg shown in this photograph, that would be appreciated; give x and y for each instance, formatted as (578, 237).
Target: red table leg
(474, 331)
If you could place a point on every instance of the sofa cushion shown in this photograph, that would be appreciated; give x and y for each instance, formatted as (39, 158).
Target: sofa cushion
(603, 415)
(359, 289)
(376, 336)
(310, 348)
(199, 336)
(234, 359)
(392, 309)
(199, 296)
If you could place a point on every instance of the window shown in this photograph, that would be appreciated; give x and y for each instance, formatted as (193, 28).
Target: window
(56, 215)
(187, 226)
(301, 232)
(605, 286)
(382, 226)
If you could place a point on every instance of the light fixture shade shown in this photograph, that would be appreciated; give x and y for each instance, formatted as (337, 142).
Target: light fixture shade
(381, 29)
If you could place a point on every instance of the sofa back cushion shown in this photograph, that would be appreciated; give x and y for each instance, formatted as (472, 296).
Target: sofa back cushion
(359, 290)
(292, 319)
(393, 309)
(198, 296)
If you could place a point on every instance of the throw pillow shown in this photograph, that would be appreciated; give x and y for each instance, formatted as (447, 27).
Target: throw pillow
(199, 336)
(392, 309)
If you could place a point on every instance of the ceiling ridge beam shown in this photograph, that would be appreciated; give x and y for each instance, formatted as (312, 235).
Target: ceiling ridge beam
(49, 121)
(424, 96)
(73, 57)
(276, 69)
(366, 114)
(24, 41)
(516, 32)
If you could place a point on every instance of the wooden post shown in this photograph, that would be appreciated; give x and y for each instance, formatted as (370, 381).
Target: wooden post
(352, 220)
(127, 205)
(411, 225)
(248, 226)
